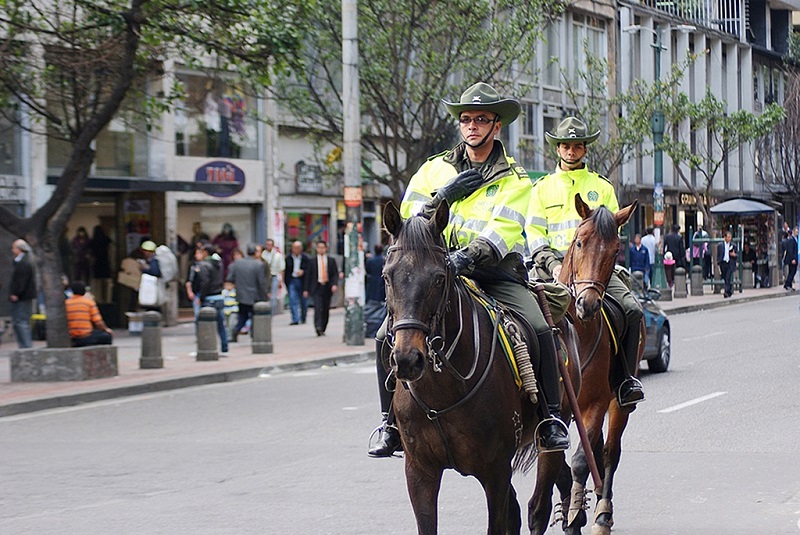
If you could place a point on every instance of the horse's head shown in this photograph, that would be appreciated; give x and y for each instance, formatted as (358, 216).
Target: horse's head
(591, 256)
(417, 282)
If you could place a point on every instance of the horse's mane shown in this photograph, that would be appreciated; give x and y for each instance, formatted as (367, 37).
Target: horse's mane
(415, 235)
(604, 223)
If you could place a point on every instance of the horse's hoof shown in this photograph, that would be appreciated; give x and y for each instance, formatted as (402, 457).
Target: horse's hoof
(597, 529)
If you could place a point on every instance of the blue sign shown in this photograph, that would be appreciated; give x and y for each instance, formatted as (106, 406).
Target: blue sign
(221, 172)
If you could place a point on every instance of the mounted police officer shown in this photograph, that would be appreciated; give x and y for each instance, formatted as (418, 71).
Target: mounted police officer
(488, 194)
(552, 221)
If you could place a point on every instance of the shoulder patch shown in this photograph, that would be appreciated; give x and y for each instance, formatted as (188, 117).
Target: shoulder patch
(605, 178)
(521, 171)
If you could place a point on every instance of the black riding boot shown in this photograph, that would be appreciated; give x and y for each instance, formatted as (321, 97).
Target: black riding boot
(552, 432)
(630, 391)
(389, 437)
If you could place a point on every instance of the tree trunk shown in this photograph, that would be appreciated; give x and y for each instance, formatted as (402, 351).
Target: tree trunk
(48, 266)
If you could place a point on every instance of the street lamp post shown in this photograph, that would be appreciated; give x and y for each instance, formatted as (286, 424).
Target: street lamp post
(659, 281)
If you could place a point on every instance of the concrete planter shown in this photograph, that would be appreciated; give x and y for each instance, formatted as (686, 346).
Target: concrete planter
(64, 364)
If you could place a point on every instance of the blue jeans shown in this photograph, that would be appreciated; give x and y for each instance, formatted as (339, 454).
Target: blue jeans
(297, 302)
(21, 320)
(217, 302)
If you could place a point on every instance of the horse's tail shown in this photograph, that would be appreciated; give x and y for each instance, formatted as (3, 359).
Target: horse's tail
(525, 458)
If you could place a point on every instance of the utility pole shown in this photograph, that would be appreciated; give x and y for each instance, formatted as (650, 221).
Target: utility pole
(351, 159)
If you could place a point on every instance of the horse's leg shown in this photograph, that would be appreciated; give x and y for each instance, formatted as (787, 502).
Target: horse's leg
(549, 466)
(564, 484)
(604, 514)
(576, 515)
(423, 489)
(499, 494)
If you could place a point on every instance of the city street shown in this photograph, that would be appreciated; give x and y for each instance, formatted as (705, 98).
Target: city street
(712, 451)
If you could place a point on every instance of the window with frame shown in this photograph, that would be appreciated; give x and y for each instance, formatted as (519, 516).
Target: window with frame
(526, 152)
(216, 119)
(550, 68)
(10, 143)
(588, 38)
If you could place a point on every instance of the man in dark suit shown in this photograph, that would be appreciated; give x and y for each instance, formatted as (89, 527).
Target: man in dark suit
(294, 275)
(320, 283)
(726, 258)
(249, 275)
(22, 292)
(789, 256)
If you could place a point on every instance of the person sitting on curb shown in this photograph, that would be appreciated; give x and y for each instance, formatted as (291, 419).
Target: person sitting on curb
(84, 322)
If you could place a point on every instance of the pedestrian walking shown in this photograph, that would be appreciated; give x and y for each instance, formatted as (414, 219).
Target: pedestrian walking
(249, 275)
(294, 276)
(207, 286)
(277, 266)
(22, 292)
(320, 284)
(726, 258)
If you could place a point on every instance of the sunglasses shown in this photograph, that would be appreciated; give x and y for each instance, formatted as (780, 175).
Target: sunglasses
(480, 120)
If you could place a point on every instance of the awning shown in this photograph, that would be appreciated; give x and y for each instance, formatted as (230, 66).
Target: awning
(741, 207)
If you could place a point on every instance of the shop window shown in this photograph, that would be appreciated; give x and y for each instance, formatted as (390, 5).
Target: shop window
(216, 119)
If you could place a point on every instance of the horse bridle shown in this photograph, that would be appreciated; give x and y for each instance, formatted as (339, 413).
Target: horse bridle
(588, 284)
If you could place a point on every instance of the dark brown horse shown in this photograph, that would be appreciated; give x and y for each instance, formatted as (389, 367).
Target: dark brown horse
(457, 403)
(586, 269)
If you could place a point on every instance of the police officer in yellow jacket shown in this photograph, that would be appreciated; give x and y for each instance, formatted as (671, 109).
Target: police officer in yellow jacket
(552, 220)
(489, 195)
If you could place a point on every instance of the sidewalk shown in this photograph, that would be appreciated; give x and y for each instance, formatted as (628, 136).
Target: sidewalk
(295, 347)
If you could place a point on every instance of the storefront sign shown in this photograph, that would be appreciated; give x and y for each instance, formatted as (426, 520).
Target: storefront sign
(221, 171)
(309, 178)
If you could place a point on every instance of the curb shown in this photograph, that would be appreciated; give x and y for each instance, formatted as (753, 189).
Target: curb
(73, 400)
(724, 303)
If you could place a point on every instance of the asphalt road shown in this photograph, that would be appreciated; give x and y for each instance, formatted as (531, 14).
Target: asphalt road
(712, 451)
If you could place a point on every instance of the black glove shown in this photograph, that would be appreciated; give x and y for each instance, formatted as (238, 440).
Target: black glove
(459, 261)
(460, 187)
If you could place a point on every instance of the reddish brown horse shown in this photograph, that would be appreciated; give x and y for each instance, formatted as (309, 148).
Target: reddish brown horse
(586, 269)
(457, 403)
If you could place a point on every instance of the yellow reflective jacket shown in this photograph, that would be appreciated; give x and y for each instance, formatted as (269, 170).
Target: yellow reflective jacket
(552, 216)
(491, 221)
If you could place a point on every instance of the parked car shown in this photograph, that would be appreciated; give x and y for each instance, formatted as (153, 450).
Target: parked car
(658, 341)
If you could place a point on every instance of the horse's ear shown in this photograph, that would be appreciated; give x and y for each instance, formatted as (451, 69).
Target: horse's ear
(583, 209)
(623, 215)
(441, 217)
(391, 219)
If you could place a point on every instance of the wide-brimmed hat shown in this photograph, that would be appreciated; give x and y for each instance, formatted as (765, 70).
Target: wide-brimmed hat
(149, 246)
(569, 130)
(482, 96)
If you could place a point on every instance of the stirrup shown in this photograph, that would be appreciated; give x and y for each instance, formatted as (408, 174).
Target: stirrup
(633, 383)
(538, 437)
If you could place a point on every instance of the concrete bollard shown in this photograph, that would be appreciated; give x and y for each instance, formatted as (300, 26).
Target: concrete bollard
(680, 283)
(151, 341)
(697, 280)
(747, 277)
(207, 334)
(262, 327)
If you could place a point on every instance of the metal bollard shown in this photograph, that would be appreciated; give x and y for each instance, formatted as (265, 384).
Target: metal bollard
(262, 327)
(151, 341)
(697, 280)
(207, 334)
(680, 283)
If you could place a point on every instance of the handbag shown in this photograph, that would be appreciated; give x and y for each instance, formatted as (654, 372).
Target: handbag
(148, 290)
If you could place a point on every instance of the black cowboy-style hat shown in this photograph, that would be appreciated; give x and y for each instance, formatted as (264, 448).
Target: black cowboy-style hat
(569, 130)
(482, 96)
